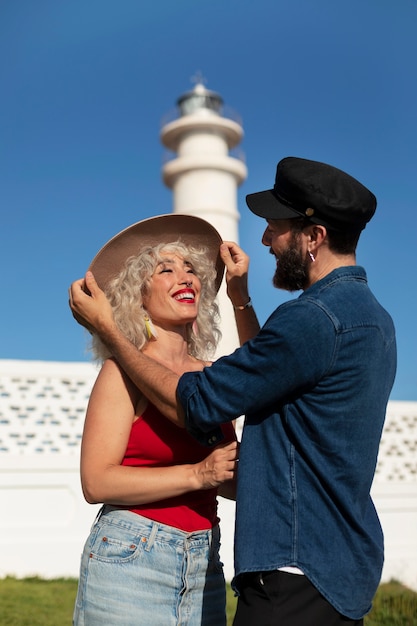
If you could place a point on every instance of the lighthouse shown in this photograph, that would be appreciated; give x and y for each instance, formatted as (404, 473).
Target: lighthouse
(204, 174)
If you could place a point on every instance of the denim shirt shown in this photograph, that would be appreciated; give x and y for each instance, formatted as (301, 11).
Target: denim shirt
(313, 385)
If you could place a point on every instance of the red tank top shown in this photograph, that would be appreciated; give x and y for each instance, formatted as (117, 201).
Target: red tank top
(154, 441)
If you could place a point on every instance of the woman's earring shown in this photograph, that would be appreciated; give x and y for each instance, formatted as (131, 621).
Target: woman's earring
(150, 329)
(311, 256)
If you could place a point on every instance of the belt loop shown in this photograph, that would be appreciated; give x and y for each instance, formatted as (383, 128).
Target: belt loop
(99, 514)
(151, 537)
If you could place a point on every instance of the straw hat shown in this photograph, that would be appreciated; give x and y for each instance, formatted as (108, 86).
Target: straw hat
(190, 230)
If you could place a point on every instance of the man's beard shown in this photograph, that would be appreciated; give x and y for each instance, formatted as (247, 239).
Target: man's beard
(292, 268)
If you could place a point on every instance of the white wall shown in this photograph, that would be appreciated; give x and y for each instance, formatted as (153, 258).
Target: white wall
(44, 519)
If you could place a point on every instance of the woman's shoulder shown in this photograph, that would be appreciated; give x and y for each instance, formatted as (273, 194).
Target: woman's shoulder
(111, 368)
(112, 373)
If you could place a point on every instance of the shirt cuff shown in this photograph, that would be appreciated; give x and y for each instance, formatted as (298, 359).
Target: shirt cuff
(211, 438)
(185, 390)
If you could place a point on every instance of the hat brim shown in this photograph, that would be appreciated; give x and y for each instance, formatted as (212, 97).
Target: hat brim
(189, 229)
(266, 204)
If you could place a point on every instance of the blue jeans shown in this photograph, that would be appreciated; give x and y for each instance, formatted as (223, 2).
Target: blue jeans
(137, 572)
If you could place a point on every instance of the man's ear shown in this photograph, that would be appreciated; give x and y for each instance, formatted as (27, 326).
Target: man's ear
(317, 233)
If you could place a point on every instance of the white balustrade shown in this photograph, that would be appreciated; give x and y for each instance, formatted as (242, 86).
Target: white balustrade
(44, 519)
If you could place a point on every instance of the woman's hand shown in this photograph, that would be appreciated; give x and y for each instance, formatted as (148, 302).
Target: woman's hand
(219, 466)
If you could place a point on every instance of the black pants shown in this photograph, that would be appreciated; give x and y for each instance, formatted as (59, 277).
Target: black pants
(281, 599)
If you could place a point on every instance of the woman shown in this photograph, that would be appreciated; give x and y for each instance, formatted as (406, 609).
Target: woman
(152, 556)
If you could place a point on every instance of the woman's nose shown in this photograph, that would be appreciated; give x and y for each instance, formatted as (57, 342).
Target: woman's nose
(187, 280)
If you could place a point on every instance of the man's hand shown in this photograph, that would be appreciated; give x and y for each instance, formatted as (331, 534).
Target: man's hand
(90, 306)
(237, 265)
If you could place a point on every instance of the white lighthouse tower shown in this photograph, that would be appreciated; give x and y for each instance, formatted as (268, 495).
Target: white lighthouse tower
(204, 176)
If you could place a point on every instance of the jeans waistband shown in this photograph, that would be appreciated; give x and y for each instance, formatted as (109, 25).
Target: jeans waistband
(152, 529)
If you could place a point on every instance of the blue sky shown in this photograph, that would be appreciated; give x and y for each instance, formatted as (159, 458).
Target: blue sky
(86, 83)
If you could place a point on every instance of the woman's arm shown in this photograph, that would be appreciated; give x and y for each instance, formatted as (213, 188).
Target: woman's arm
(110, 415)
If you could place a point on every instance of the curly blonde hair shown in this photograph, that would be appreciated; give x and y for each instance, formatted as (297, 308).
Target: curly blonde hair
(126, 291)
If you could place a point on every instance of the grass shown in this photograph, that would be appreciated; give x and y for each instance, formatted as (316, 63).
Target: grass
(394, 605)
(39, 602)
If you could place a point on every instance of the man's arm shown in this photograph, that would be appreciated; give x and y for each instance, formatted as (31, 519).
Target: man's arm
(237, 265)
(155, 381)
(91, 309)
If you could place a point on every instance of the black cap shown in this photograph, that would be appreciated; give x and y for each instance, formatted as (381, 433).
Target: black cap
(317, 191)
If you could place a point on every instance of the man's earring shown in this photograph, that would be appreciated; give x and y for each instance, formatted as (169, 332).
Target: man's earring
(311, 256)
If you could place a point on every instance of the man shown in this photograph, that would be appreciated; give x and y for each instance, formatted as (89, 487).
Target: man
(313, 384)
